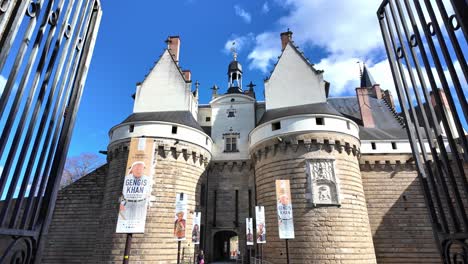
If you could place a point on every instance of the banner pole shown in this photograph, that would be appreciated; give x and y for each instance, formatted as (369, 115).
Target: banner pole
(195, 254)
(261, 253)
(178, 252)
(287, 251)
(128, 245)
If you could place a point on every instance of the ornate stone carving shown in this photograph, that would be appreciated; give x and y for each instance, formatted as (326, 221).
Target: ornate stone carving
(324, 183)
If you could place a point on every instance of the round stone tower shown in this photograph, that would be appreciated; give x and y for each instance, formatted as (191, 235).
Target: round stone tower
(182, 153)
(317, 149)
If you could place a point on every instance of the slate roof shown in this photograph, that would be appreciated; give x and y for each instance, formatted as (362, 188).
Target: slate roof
(177, 117)
(387, 124)
(319, 108)
(366, 78)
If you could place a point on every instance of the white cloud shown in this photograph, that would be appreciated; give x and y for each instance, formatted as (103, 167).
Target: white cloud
(265, 8)
(243, 14)
(267, 48)
(241, 42)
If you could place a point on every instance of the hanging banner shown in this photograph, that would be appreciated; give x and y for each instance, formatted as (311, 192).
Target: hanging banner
(285, 214)
(260, 224)
(196, 228)
(137, 187)
(180, 216)
(248, 230)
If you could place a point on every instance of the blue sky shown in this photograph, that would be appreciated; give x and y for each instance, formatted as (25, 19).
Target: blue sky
(334, 35)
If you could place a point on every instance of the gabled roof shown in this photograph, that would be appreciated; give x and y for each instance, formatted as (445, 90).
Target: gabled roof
(366, 78)
(157, 61)
(301, 54)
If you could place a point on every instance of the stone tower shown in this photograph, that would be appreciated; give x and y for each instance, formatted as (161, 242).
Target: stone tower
(165, 110)
(303, 139)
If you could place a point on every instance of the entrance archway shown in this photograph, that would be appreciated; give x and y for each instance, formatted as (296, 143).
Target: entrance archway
(224, 245)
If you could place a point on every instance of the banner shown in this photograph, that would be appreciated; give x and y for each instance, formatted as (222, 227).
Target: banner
(248, 230)
(196, 228)
(260, 224)
(180, 216)
(285, 214)
(137, 187)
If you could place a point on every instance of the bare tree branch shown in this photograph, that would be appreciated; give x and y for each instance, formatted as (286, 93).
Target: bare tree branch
(78, 166)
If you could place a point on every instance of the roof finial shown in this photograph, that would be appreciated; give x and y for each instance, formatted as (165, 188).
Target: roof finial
(234, 50)
(251, 86)
(168, 42)
(360, 69)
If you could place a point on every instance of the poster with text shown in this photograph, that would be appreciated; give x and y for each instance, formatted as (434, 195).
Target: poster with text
(196, 228)
(260, 224)
(284, 207)
(180, 216)
(248, 231)
(137, 187)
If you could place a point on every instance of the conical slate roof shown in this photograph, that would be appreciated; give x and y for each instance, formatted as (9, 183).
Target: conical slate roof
(366, 78)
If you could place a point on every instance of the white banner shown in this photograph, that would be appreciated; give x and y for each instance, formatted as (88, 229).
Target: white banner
(284, 207)
(196, 228)
(260, 224)
(180, 216)
(249, 230)
(137, 187)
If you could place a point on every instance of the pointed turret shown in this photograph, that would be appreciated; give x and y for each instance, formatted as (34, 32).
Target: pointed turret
(234, 74)
(366, 78)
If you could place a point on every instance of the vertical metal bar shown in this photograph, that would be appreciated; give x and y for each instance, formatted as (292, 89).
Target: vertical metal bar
(11, 29)
(461, 12)
(128, 246)
(287, 251)
(453, 38)
(178, 252)
(19, 58)
(63, 113)
(58, 72)
(455, 81)
(421, 106)
(236, 220)
(24, 114)
(408, 124)
(53, 184)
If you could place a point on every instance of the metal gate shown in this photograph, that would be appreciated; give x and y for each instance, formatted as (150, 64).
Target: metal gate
(45, 51)
(426, 44)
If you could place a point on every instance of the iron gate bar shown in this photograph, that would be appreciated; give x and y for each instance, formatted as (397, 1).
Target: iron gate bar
(453, 75)
(45, 115)
(448, 187)
(433, 122)
(14, 216)
(27, 107)
(461, 13)
(67, 128)
(19, 58)
(408, 124)
(32, 122)
(453, 39)
(413, 112)
(8, 38)
(50, 156)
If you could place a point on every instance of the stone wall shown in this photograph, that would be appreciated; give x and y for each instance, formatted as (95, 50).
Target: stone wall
(179, 168)
(324, 234)
(399, 218)
(72, 233)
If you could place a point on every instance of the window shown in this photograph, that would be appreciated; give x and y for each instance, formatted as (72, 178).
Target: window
(206, 141)
(348, 125)
(231, 112)
(319, 121)
(276, 126)
(394, 146)
(131, 128)
(373, 145)
(231, 143)
(174, 129)
(207, 119)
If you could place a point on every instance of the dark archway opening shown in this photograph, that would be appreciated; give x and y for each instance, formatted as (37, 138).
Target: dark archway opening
(222, 246)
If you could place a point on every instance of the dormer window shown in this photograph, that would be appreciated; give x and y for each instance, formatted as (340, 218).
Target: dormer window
(231, 142)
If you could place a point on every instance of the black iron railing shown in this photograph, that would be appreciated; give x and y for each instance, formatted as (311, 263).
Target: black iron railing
(45, 52)
(426, 44)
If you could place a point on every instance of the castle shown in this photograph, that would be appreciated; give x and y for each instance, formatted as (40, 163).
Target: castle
(355, 193)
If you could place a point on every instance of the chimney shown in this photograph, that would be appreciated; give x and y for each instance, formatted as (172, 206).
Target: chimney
(187, 75)
(285, 38)
(387, 96)
(174, 47)
(376, 91)
(363, 95)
